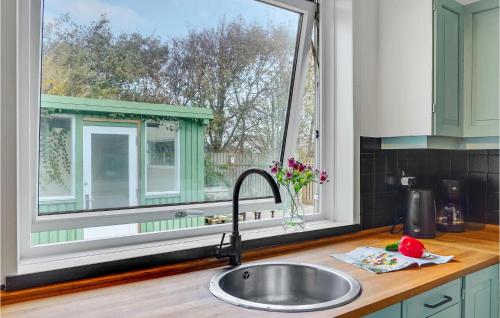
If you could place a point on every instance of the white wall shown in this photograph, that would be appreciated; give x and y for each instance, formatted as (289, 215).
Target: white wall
(338, 144)
(8, 207)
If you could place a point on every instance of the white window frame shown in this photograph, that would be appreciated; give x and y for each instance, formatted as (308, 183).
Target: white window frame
(176, 166)
(72, 196)
(335, 150)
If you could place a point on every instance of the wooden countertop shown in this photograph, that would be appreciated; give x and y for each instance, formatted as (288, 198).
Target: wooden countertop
(186, 295)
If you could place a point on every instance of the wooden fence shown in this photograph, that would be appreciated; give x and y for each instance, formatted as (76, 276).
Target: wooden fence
(232, 165)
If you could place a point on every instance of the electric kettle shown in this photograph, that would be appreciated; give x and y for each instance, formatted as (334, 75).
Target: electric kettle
(420, 221)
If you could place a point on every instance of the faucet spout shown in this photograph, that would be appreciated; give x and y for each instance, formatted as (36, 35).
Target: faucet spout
(234, 250)
(237, 187)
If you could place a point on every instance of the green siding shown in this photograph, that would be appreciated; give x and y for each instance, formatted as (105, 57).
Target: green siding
(60, 236)
(172, 224)
(50, 207)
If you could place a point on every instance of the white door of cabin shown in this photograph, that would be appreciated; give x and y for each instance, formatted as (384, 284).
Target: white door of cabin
(109, 167)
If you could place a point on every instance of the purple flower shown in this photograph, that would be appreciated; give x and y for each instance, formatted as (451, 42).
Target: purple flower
(289, 175)
(323, 176)
(275, 167)
(301, 167)
(291, 162)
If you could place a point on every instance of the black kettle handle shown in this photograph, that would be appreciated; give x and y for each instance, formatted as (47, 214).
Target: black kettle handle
(416, 216)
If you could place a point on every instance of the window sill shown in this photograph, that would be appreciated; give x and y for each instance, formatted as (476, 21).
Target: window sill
(249, 237)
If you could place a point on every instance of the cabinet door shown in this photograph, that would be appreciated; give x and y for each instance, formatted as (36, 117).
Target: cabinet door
(404, 68)
(481, 69)
(481, 293)
(448, 68)
(393, 311)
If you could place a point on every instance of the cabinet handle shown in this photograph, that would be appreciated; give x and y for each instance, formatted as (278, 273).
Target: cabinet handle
(447, 299)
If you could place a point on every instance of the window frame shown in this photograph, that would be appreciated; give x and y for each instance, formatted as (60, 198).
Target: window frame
(176, 166)
(339, 155)
(71, 196)
(28, 68)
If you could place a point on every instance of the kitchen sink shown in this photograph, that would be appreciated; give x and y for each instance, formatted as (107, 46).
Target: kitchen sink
(285, 287)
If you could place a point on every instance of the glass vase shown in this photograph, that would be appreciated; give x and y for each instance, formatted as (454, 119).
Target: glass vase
(293, 213)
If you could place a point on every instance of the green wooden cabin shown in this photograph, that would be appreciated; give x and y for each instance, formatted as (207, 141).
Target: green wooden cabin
(100, 153)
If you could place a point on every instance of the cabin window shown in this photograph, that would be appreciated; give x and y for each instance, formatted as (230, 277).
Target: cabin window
(162, 166)
(56, 174)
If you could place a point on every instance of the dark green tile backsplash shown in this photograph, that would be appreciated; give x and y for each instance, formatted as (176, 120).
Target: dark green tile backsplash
(382, 200)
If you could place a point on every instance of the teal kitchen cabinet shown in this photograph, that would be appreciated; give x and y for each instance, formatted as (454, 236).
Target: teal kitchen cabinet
(432, 72)
(481, 69)
(466, 69)
(448, 64)
(481, 293)
(433, 301)
(473, 296)
(393, 311)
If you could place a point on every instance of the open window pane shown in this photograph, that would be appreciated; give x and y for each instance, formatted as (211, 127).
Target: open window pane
(307, 136)
(171, 100)
(181, 220)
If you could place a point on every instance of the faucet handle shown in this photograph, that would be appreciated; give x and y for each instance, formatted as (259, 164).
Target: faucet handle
(219, 250)
(222, 240)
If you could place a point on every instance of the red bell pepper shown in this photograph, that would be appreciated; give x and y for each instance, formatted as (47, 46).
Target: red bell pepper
(408, 246)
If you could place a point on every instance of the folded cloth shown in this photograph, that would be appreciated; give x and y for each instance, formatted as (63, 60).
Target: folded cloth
(378, 260)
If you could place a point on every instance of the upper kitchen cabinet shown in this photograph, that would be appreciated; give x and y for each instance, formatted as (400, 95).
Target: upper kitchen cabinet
(481, 69)
(393, 67)
(448, 64)
(427, 68)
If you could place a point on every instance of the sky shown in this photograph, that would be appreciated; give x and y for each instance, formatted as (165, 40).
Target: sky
(169, 18)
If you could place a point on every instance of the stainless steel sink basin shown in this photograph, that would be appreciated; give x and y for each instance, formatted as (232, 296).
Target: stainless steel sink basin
(283, 286)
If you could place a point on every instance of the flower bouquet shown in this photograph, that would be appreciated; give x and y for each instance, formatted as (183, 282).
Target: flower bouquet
(294, 178)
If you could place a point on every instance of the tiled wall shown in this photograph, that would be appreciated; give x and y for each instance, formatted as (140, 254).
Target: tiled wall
(382, 200)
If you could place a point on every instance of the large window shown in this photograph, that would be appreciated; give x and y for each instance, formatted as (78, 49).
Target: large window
(149, 111)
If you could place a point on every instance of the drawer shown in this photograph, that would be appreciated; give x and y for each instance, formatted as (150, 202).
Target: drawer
(393, 311)
(451, 312)
(433, 301)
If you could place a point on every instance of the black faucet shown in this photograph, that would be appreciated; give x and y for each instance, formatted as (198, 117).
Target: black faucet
(233, 251)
